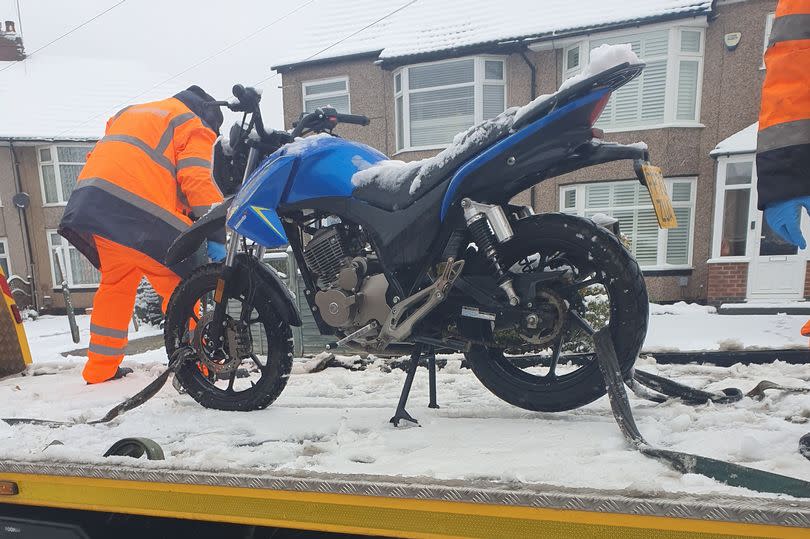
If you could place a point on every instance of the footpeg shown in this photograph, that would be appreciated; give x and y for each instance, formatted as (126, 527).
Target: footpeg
(399, 324)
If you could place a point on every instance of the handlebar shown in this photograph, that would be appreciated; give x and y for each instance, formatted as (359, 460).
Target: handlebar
(355, 119)
(246, 99)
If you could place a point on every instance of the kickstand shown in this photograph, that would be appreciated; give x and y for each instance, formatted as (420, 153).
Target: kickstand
(401, 414)
(432, 378)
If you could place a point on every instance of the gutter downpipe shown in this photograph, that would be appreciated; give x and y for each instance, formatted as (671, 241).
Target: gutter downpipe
(29, 253)
(533, 92)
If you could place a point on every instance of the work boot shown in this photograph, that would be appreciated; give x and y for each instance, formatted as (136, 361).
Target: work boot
(120, 372)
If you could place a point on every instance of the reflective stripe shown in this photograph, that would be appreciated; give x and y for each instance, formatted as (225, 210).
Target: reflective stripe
(157, 157)
(168, 134)
(120, 112)
(133, 199)
(182, 198)
(784, 135)
(108, 332)
(193, 162)
(106, 350)
(790, 28)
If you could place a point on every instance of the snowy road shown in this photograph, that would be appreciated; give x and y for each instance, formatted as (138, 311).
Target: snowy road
(336, 421)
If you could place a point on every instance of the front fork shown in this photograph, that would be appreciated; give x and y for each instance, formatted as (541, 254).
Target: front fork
(221, 294)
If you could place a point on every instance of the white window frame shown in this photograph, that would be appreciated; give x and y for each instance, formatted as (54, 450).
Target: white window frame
(674, 56)
(61, 200)
(720, 205)
(569, 71)
(663, 234)
(65, 247)
(6, 256)
(478, 97)
(767, 35)
(346, 92)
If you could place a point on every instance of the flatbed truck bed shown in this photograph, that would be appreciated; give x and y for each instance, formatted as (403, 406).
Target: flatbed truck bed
(394, 506)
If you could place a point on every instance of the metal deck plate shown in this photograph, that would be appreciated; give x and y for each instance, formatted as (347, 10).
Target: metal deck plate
(172, 492)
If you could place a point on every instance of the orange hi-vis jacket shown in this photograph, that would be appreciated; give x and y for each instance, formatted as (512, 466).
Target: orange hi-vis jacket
(142, 181)
(783, 142)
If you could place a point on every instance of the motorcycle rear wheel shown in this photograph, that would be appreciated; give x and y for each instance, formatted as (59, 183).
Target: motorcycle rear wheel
(256, 377)
(597, 259)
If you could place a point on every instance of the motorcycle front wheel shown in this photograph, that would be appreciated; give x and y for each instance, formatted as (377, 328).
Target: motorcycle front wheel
(553, 368)
(257, 343)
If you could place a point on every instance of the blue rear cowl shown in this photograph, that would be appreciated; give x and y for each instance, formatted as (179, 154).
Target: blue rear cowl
(314, 167)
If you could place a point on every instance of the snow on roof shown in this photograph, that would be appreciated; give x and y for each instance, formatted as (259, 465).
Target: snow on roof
(69, 98)
(744, 141)
(430, 26)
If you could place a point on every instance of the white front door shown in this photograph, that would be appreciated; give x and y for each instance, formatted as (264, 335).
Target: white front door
(777, 268)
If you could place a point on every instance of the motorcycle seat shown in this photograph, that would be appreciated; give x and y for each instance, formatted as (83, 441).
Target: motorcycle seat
(394, 185)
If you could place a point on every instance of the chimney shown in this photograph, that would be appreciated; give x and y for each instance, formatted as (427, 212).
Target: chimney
(11, 45)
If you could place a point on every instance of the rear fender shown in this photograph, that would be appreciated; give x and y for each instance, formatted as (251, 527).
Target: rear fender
(247, 267)
(190, 240)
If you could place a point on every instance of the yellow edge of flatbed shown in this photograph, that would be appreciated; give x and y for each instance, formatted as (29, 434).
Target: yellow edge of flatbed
(361, 514)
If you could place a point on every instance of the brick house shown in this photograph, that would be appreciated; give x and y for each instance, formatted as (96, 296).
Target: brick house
(431, 70)
(46, 131)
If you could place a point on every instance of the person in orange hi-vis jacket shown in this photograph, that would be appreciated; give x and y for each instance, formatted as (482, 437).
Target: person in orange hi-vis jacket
(783, 141)
(143, 184)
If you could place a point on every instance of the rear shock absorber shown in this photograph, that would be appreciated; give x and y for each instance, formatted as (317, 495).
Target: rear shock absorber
(489, 226)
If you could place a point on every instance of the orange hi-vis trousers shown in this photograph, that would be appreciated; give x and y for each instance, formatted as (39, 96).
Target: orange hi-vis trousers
(122, 269)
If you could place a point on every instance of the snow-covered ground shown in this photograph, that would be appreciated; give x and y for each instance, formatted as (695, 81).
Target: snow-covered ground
(689, 327)
(49, 336)
(336, 421)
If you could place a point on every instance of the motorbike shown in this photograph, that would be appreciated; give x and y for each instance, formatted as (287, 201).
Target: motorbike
(397, 257)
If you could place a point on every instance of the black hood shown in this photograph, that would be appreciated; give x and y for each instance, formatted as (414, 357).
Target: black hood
(195, 98)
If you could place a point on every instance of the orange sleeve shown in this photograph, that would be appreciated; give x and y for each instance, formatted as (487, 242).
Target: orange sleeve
(194, 144)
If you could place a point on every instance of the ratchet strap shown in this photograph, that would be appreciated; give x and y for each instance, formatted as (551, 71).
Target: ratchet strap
(665, 388)
(725, 472)
(177, 359)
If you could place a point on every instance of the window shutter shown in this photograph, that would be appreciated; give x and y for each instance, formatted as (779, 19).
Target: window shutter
(678, 238)
(643, 100)
(597, 196)
(339, 102)
(624, 194)
(687, 90)
(325, 87)
(436, 116)
(570, 200)
(627, 223)
(655, 44)
(493, 100)
(681, 192)
(654, 88)
(645, 240)
(690, 41)
(626, 103)
(443, 74)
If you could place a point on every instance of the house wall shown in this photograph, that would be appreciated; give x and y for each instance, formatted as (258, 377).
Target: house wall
(39, 220)
(730, 101)
(10, 224)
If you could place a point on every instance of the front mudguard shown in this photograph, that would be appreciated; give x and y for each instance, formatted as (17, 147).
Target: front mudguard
(248, 267)
(190, 240)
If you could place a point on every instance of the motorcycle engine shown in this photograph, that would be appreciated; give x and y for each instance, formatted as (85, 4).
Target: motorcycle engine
(351, 291)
